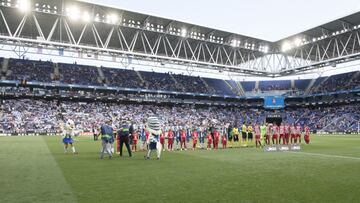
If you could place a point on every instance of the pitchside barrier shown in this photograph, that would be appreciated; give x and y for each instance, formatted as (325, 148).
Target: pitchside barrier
(27, 134)
(282, 148)
(336, 133)
(40, 133)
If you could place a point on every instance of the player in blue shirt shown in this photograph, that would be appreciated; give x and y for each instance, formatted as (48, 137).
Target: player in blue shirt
(107, 137)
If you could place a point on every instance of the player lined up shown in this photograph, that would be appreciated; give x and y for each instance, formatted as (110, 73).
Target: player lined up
(268, 134)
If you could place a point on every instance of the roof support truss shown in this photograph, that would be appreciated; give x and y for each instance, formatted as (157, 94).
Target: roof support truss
(117, 39)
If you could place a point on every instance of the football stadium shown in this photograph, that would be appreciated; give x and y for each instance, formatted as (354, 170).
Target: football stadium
(103, 104)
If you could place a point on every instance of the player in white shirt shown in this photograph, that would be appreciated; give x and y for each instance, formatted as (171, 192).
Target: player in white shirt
(67, 135)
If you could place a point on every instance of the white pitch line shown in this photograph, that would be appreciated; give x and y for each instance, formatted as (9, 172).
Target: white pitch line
(328, 155)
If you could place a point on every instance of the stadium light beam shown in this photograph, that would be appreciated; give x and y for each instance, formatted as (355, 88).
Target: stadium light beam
(24, 5)
(233, 43)
(183, 32)
(112, 19)
(86, 17)
(297, 42)
(286, 47)
(266, 49)
(73, 13)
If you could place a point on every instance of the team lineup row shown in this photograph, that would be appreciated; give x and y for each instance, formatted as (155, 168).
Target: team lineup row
(204, 138)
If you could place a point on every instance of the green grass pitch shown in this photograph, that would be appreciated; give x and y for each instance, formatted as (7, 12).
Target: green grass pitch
(35, 169)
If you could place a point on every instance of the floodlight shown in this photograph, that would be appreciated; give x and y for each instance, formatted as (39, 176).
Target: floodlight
(266, 49)
(24, 5)
(297, 42)
(86, 17)
(112, 18)
(183, 32)
(233, 43)
(97, 18)
(286, 47)
(73, 13)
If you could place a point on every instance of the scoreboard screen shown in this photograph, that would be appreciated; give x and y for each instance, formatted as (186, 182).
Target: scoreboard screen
(274, 102)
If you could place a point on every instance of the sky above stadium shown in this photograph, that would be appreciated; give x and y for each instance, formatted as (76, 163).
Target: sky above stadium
(265, 19)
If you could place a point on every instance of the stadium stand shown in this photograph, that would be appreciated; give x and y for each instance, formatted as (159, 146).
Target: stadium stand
(192, 84)
(248, 86)
(3, 72)
(78, 74)
(234, 86)
(122, 78)
(160, 81)
(274, 85)
(338, 82)
(220, 86)
(302, 84)
(38, 71)
(41, 115)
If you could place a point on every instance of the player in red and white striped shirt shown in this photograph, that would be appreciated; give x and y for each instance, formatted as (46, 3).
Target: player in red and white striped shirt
(307, 134)
(257, 135)
(282, 134)
(298, 134)
(292, 133)
(194, 136)
(268, 133)
(276, 132)
(287, 134)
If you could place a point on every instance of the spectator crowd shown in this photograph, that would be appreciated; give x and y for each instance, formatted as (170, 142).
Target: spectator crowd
(75, 74)
(42, 115)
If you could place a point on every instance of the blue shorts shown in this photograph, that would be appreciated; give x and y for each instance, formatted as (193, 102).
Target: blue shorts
(105, 139)
(67, 140)
(152, 145)
(143, 137)
(111, 140)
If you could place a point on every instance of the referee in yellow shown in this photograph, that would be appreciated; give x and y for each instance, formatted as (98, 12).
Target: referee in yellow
(250, 133)
(244, 133)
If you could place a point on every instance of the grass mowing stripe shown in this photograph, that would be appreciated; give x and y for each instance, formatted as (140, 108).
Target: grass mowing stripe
(29, 173)
(328, 155)
(233, 175)
(283, 173)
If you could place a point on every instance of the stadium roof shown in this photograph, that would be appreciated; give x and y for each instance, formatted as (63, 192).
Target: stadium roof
(331, 28)
(86, 28)
(262, 19)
